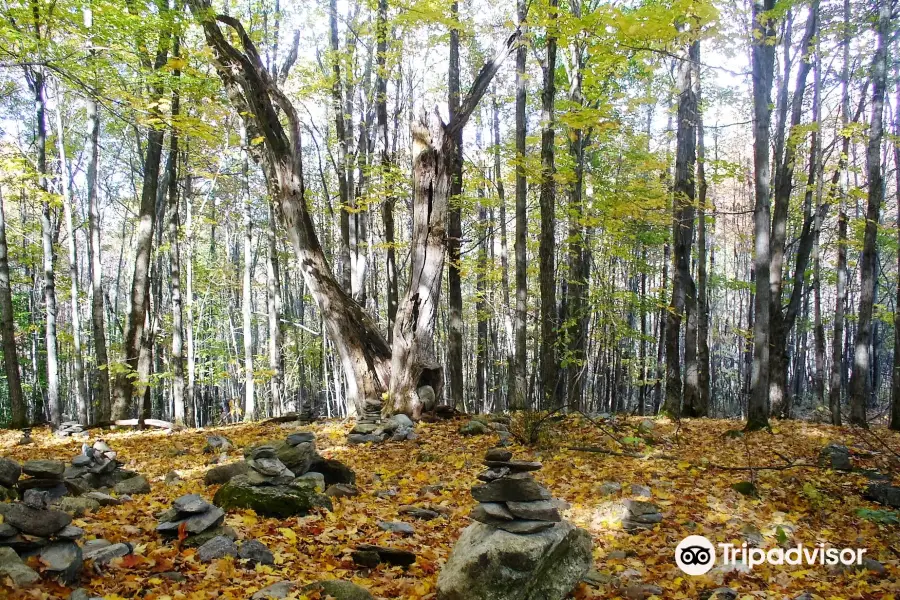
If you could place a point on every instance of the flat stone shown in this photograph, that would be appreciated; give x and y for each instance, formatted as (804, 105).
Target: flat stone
(317, 480)
(105, 554)
(491, 512)
(498, 454)
(338, 589)
(133, 486)
(342, 490)
(43, 523)
(276, 591)
(12, 566)
(397, 527)
(360, 438)
(364, 428)
(256, 552)
(423, 514)
(193, 523)
(78, 507)
(173, 478)
(47, 469)
(300, 437)
(191, 504)
(492, 474)
(103, 499)
(640, 490)
(224, 473)
(540, 510)
(70, 532)
(218, 547)
(262, 451)
(63, 560)
(516, 466)
(391, 556)
(511, 488)
(281, 501)
(198, 539)
(216, 444)
(524, 527)
(91, 546)
(270, 467)
(101, 446)
(835, 456)
(81, 461)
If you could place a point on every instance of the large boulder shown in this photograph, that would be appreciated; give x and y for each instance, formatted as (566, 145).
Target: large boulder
(35, 521)
(279, 501)
(492, 564)
(48, 469)
(12, 566)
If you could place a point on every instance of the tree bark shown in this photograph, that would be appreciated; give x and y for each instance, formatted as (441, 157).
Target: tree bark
(860, 385)
(547, 201)
(454, 230)
(703, 379)
(517, 371)
(19, 416)
(246, 287)
(895, 379)
(763, 61)
(337, 98)
(177, 358)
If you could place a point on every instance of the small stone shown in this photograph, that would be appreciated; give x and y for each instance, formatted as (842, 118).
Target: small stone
(541, 510)
(224, 473)
(104, 554)
(883, 493)
(835, 456)
(133, 486)
(338, 589)
(610, 488)
(364, 428)
(723, 593)
(42, 523)
(391, 556)
(101, 446)
(36, 499)
(81, 461)
(397, 527)
(498, 454)
(366, 558)
(300, 437)
(386, 494)
(491, 513)
(359, 438)
(216, 444)
(640, 490)
(70, 532)
(195, 523)
(515, 466)
(492, 474)
(198, 539)
(256, 552)
(64, 560)
(172, 478)
(174, 576)
(270, 467)
(511, 488)
(342, 490)
(646, 426)
(218, 547)
(12, 566)
(91, 546)
(423, 514)
(474, 428)
(276, 591)
(642, 591)
(524, 527)
(46, 469)
(191, 504)
(103, 499)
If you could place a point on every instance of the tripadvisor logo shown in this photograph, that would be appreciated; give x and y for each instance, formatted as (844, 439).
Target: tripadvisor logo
(696, 555)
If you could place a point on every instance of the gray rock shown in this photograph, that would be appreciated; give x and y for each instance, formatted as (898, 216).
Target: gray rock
(342, 490)
(396, 422)
(541, 510)
(397, 527)
(262, 451)
(492, 564)
(216, 444)
(524, 527)
(503, 438)
(300, 437)
(101, 446)
(491, 513)
(270, 467)
(42, 523)
(191, 503)
(256, 552)
(12, 566)
(646, 426)
(10, 471)
(422, 514)
(364, 428)
(364, 438)
(91, 546)
(276, 591)
(723, 593)
(44, 469)
(82, 594)
(338, 589)
(427, 397)
(198, 539)
(835, 456)
(640, 490)
(224, 473)
(883, 493)
(515, 466)
(517, 488)
(218, 547)
(370, 556)
(63, 560)
(271, 501)
(316, 479)
(610, 488)
(104, 554)
(133, 486)
(173, 478)
(474, 427)
(82, 460)
(78, 507)
(70, 532)
(193, 523)
(642, 591)
(103, 499)
(498, 454)
(7, 530)
(297, 458)
(36, 499)
(632, 515)
(492, 474)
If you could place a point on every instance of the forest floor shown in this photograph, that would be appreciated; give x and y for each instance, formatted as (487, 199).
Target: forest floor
(680, 463)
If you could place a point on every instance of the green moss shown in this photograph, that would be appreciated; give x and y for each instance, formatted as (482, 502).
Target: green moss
(271, 501)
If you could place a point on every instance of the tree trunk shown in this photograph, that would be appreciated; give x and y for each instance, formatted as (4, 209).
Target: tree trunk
(175, 266)
(895, 379)
(337, 98)
(703, 383)
(246, 287)
(684, 292)
(454, 231)
(504, 247)
(81, 396)
(481, 307)
(860, 385)
(547, 201)
(274, 310)
(517, 372)
(763, 61)
(19, 416)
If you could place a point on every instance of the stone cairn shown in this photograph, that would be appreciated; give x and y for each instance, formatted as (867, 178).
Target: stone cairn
(71, 429)
(510, 499)
(396, 428)
(31, 527)
(97, 468)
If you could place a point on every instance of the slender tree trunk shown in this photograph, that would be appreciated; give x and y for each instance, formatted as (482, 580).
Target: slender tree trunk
(337, 98)
(19, 416)
(177, 358)
(481, 308)
(454, 231)
(549, 365)
(703, 378)
(895, 380)
(390, 200)
(80, 389)
(860, 384)
(817, 164)
(684, 292)
(274, 310)
(246, 287)
(517, 372)
(504, 247)
(763, 61)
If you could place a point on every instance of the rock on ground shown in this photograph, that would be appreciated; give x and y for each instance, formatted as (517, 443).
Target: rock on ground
(272, 501)
(340, 590)
(491, 564)
(12, 566)
(334, 471)
(43, 523)
(218, 547)
(133, 486)
(256, 552)
(63, 560)
(10, 471)
(224, 473)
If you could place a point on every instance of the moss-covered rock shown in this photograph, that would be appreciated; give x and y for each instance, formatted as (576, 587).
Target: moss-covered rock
(269, 500)
(341, 590)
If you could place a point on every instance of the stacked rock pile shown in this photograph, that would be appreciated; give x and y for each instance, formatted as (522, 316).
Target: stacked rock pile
(279, 478)
(371, 414)
(517, 522)
(97, 468)
(43, 476)
(71, 429)
(32, 527)
(396, 428)
(201, 520)
(511, 499)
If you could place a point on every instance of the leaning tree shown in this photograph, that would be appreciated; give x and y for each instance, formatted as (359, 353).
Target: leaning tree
(370, 367)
